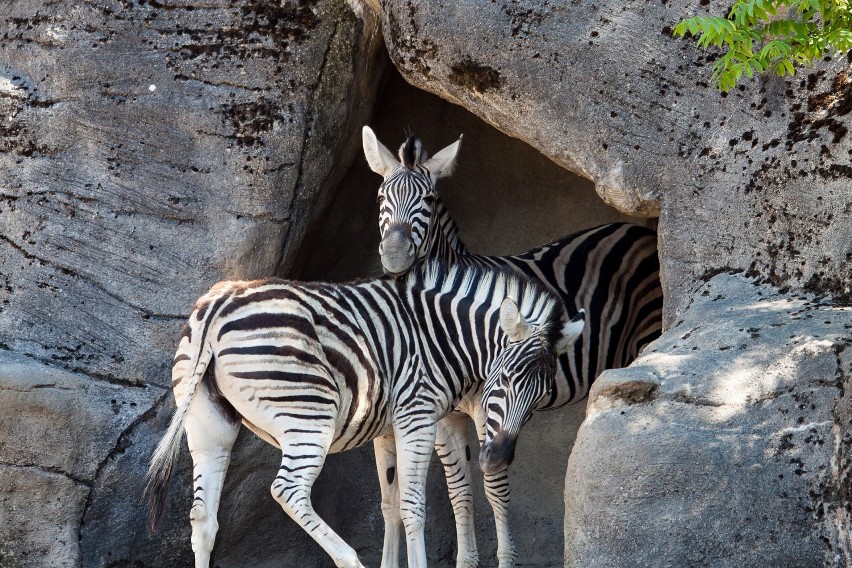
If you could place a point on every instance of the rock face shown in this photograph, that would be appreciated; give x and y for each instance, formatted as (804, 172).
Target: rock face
(147, 150)
(731, 453)
(757, 180)
(726, 444)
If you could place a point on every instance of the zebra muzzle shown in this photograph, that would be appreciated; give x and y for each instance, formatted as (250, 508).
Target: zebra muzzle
(498, 455)
(397, 250)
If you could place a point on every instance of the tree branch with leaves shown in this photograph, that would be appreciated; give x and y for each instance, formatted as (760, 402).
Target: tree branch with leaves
(771, 36)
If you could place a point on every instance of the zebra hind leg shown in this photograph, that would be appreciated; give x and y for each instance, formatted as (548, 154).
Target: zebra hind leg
(211, 429)
(301, 461)
(451, 443)
(385, 449)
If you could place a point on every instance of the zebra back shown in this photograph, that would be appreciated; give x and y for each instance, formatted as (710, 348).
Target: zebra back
(612, 271)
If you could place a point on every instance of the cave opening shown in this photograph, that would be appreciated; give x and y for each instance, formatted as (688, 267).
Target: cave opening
(506, 198)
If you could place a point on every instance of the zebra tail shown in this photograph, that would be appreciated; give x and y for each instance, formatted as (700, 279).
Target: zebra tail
(161, 468)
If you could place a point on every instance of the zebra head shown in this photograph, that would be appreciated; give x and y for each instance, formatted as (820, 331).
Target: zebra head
(523, 375)
(406, 197)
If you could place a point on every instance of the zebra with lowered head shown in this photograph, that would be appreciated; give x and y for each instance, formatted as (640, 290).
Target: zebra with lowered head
(612, 271)
(320, 368)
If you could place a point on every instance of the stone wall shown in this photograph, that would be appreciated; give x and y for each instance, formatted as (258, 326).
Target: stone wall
(755, 182)
(725, 444)
(147, 150)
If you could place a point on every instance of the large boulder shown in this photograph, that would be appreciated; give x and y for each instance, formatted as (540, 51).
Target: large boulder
(147, 150)
(757, 180)
(728, 443)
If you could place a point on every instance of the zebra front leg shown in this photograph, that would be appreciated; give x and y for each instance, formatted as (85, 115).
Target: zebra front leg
(210, 434)
(497, 493)
(385, 448)
(414, 443)
(301, 461)
(451, 443)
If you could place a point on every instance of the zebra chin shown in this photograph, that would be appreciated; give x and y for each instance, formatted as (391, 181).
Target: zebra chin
(396, 266)
(498, 455)
(398, 273)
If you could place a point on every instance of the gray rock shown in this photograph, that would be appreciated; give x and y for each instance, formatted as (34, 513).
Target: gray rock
(59, 429)
(63, 422)
(147, 150)
(726, 443)
(39, 518)
(756, 181)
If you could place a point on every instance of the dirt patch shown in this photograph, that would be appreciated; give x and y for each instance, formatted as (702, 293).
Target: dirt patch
(475, 76)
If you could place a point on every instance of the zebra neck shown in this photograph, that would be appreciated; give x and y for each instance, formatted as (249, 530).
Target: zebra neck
(460, 342)
(445, 242)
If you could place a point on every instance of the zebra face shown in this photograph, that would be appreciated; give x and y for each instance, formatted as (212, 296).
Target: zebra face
(523, 375)
(405, 212)
(509, 398)
(406, 197)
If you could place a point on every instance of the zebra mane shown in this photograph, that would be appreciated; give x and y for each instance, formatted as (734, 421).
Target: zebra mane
(411, 153)
(539, 305)
(447, 226)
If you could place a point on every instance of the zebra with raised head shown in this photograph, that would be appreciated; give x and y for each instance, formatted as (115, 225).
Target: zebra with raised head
(612, 271)
(320, 368)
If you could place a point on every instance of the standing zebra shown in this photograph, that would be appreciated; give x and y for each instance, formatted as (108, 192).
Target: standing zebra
(612, 271)
(320, 368)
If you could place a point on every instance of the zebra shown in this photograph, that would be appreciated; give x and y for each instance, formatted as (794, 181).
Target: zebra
(611, 270)
(317, 368)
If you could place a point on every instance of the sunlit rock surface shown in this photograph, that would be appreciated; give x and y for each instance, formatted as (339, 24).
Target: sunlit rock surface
(727, 443)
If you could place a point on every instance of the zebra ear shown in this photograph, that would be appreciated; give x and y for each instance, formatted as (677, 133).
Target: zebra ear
(570, 332)
(512, 322)
(443, 163)
(381, 160)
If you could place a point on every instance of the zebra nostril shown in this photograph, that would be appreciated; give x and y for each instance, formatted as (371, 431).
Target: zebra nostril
(382, 247)
(411, 248)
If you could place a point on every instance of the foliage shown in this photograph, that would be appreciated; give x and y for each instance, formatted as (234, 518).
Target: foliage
(771, 36)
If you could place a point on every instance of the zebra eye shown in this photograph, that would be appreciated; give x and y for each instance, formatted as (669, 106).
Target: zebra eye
(428, 199)
(380, 199)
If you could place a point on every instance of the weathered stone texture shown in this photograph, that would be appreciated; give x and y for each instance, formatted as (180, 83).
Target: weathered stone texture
(727, 443)
(147, 150)
(758, 180)
(37, 532)
(154, 148)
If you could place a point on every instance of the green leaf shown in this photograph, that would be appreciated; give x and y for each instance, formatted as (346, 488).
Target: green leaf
(751, 42)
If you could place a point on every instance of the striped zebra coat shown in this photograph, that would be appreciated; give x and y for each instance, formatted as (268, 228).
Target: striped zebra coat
(321, 368)
(612, 271)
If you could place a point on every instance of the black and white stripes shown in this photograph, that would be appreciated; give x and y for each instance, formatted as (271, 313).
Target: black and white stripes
(320, 368)
(611, 271)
